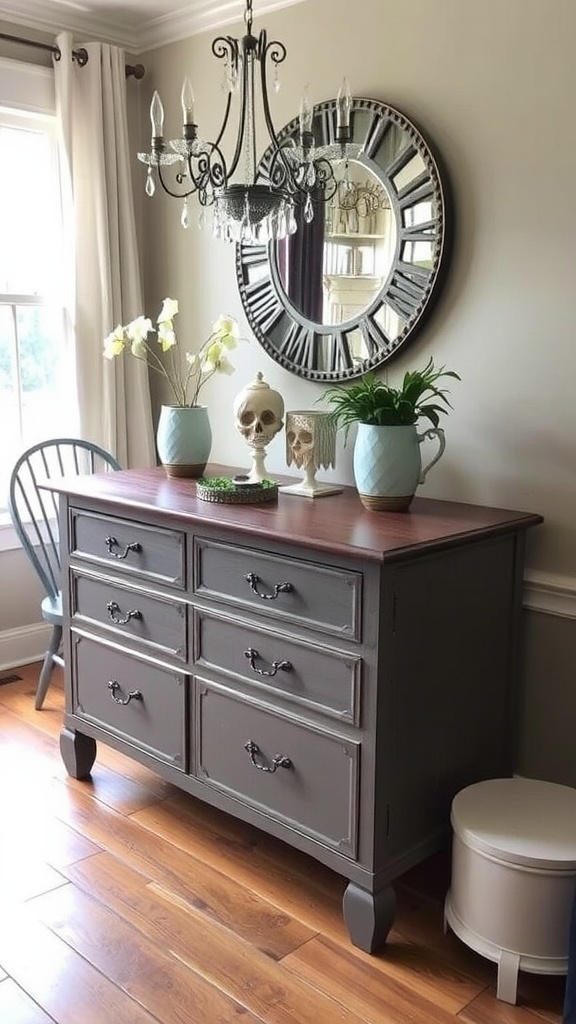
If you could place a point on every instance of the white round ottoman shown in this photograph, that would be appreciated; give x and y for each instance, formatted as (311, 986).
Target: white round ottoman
(513, 875)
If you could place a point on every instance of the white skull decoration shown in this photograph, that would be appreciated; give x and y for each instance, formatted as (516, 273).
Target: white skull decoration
(258, 412)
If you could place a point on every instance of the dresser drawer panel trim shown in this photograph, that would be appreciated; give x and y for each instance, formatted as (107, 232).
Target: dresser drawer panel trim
(301, 776)
(318, 597)
(147, 552)
(141, 703)
(135, 615)
(302, 673)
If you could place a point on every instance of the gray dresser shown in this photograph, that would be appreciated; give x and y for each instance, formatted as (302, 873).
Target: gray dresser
(331, 675)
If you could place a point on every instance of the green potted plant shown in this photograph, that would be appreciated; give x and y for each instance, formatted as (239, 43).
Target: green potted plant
(387, 462)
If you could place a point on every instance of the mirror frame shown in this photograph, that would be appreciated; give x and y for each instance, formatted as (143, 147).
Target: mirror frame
(409, 289)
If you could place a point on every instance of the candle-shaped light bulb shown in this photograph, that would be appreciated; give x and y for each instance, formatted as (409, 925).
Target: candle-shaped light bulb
(343, 106)
(305, 113)
(157, 116)
(187, 98)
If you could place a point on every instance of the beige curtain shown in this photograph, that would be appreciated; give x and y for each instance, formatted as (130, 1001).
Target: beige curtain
(104, 284)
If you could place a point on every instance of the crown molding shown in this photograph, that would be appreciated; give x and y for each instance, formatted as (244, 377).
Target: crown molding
(139, 33)
(202, 16)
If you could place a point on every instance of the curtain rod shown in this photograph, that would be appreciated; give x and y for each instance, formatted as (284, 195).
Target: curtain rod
(80, 55)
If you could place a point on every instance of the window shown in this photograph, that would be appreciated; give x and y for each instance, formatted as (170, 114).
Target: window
(37, 390)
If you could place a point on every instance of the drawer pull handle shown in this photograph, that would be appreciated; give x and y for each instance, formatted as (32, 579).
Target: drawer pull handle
(119, 620)
(111, 542)
(251, 653)
(279, 588)
(278, 761)
(132, 695)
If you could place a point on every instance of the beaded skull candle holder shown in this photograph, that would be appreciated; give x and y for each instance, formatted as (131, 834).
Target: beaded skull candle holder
(310, 445)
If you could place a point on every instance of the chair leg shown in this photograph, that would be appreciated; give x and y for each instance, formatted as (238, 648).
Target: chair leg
(48, 666)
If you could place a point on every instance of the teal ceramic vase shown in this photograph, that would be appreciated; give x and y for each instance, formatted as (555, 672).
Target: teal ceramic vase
(388, 466)
(184, 439)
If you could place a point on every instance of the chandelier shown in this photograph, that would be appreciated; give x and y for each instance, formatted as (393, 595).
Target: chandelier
(249, 205)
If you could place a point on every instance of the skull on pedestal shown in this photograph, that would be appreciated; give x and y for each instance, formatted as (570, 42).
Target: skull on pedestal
(258, 412)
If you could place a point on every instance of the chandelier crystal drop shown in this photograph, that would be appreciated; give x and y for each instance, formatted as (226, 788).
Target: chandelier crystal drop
(248, 205)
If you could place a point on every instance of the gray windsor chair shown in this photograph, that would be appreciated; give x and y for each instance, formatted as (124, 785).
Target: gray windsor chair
(34, 514)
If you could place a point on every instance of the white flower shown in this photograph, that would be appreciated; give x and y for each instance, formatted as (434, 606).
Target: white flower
(185, 377)
(215, 358)
(114, 343)
(168, 311)
(138, 329)
(138, 348)
(226, 330)
(225, 366)
(166, 335)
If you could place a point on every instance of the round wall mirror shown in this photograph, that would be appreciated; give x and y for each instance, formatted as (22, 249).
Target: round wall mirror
(341, 295)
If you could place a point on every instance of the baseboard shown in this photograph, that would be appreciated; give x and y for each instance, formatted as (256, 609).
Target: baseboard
(550, 593)
(23, 645)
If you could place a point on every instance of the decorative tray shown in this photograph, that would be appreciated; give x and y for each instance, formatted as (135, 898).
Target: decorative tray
(235, 490)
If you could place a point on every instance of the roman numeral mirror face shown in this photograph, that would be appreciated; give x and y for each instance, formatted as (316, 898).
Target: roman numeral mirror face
(345, 291)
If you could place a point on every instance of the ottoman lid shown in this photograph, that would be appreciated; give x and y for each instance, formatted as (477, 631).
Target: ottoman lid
(523, 821)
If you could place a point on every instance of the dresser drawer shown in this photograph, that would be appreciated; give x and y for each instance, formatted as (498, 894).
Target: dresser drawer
(147, 552)
(304, 673)
(317, 596)
(157, 622)
(304, 777)
(155, 721)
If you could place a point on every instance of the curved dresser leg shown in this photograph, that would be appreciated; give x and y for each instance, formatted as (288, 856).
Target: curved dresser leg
(78, 753)
(369, 916)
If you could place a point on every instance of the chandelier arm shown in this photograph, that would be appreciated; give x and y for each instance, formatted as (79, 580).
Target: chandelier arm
(207, 171)
(170, 191)
(276, 52)
(226, 48)
(248, 48)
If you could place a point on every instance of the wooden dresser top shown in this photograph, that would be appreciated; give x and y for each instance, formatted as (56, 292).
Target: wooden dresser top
(338, 524)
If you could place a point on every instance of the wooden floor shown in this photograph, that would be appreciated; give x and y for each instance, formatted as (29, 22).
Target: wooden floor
(124, 901)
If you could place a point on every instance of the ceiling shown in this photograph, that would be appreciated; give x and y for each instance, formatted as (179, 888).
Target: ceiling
(136, 25)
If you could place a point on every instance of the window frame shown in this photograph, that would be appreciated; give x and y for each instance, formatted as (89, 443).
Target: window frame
(28, 97)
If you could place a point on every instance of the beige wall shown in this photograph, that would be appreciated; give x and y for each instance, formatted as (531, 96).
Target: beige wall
(493, 84)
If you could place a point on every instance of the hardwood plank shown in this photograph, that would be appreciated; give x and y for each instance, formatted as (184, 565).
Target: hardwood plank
(268, 930)
(206, 948)
(21, 880)
(168, 988)
(285, 877)
(374, 985)
(16, 1007)
(486, 1009)
(193, 881)
(131, 861)
(59, 981)
(126, 793)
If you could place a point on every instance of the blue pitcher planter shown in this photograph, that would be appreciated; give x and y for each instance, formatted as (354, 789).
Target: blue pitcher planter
(388, 465)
